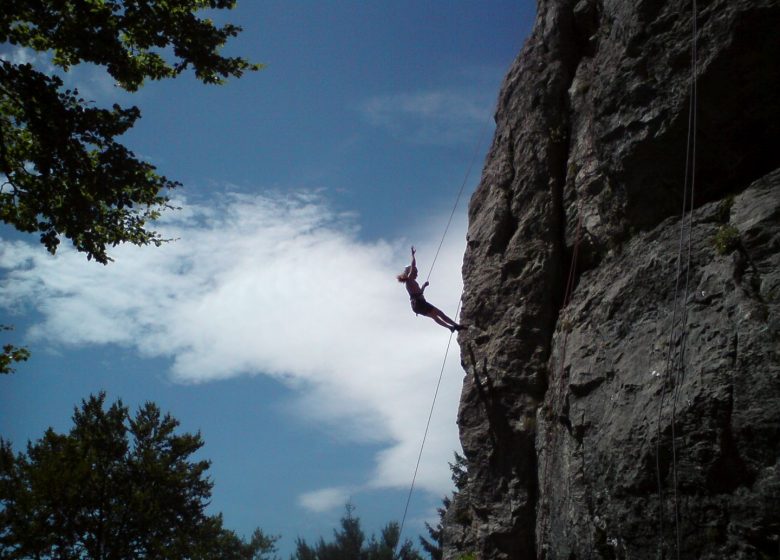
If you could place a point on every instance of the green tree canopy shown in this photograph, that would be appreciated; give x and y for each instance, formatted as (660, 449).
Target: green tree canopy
(349, 543)
(114, 487)
(10, 354)
(63, 172)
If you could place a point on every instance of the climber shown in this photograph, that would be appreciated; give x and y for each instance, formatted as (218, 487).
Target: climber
(419, 305)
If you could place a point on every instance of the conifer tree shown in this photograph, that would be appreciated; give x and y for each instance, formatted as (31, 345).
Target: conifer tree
(459, 474)
(114, 487)
(349, 543)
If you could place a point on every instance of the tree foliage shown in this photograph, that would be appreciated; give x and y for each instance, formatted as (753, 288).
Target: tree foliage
(63, 172)
(114, 487)
(11, 354)
(435, 545)
(349, 543)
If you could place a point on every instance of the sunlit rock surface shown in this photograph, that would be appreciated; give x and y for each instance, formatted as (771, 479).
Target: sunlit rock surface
(641, 420)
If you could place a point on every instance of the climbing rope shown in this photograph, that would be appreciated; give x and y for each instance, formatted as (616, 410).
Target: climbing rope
(457, 198)
(678, 367)
(449, 342)
(425, 435)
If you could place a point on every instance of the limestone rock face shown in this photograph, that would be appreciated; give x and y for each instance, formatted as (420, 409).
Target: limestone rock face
(637, 414)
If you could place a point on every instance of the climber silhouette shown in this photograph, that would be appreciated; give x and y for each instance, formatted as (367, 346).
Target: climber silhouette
(419, 305)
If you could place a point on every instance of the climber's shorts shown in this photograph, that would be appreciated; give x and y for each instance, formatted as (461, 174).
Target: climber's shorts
(420, 306)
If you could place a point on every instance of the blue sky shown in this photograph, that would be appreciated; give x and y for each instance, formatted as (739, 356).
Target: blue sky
(274, 324)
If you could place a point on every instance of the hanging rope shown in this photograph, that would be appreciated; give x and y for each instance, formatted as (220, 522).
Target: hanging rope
(449, 342)
(678, 367)
(457, 198)
(425, 435)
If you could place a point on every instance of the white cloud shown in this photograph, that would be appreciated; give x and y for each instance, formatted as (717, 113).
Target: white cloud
(431, 117)
(325, 499)
(279, 286)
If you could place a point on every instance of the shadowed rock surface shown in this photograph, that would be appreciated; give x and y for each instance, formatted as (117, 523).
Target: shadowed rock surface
(641, 419)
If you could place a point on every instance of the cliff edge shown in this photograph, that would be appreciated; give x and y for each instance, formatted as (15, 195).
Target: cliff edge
(622, 389)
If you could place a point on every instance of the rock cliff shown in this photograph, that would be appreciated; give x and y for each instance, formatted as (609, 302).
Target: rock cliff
(622, 389)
